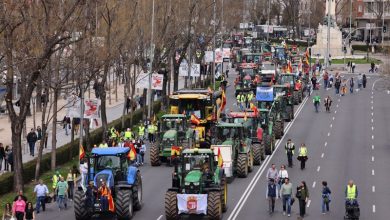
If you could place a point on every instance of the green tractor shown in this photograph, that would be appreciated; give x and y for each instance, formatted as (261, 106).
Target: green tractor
(285, 103)
(173, 132)
(294, 88)
(266, 133)
(198, 186)
(250, 120)
(236, 147)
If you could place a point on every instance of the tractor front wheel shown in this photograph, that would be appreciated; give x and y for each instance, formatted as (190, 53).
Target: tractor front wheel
(242, 165)
(224, 194)
(278, 129)
(250, 161)
(171, 212)
(295, 98)
(124, 204)
(257, 154)
(81, 211)
(137, 192)
(300, 96)
(268, 144)
(155, 156)
(214, 206)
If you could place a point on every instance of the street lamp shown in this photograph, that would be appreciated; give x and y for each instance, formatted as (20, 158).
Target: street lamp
(151, 67)
(214, 47)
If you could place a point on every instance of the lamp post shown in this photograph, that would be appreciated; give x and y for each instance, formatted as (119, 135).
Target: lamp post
(151, 67)
(268, 17)
(213, 69)
(328, 36)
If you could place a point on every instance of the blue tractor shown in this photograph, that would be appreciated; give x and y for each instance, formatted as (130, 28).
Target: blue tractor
(112, 167)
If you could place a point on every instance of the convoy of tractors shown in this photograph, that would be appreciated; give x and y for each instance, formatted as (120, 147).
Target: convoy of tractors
(208, 149)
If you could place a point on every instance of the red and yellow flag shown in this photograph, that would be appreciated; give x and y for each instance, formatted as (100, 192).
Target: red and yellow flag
(223, 103)
(307, 56)
(220, 159)
(175, 151)
(132, 153)
(289, 67)
(194, 119)
(245, 116)
(81, 152)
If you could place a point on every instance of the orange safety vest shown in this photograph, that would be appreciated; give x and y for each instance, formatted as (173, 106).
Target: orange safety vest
(104, 191)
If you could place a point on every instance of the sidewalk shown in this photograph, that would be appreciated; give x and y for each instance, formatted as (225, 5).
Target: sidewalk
(114, 111)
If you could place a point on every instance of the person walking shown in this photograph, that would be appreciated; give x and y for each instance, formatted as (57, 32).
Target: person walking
(141, 131)
(364, 80)
(326, 79)
(56, 177)
(10, 158)
(286, 192)
(70, 179)
(271, 195)
(351, 193)
(22, 195)
(31, 139)
(6, 164)
(360, 81)
(128, 104)
(62, 190)
(351, 85)
(272, 173)
(142, 151)
(302, 196)
(290, 150)
(41, 191)
(302, 156)
(316, 101)
(282, 176)
(19, 208)
(30, 213)
(353, 67)
(84, 173)
(66, 123)
(7, 213)
(325, 197)
(327, 103)
(2, 156)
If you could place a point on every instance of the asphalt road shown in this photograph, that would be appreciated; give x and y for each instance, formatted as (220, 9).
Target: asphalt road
(340, 148)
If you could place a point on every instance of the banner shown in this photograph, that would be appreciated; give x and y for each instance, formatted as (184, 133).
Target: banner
(73, 106)
(192, 203)
(265, 94)
(142, 80)
(208, 57)
(218, 55)
(157, 81)
(183, 68)
(91, 108)
(195, 69)
(226, 53)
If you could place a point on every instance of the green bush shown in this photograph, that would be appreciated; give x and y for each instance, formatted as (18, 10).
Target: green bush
(63, 153)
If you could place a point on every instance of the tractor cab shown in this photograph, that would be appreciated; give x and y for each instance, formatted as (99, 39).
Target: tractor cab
(267, 77)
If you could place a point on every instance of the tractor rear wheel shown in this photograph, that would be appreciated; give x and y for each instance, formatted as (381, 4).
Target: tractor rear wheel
(257, 153)
(124, 204)
(224, 194)
(290, 113)
(155, 156)
(171, 212)
(278, 129)
(81, 211)
(242, 165)
(250, 161)
(214, 206)
(300, 96)
(268, 144)
(137, 192)
(295, 98)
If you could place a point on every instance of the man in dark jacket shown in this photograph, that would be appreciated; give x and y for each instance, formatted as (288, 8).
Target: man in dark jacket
(2, 156)
(31, 139)
(271, 195)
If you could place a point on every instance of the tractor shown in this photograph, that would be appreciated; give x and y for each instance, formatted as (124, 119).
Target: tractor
(198, 186)
(284, 102)
(295, 88)
(173, 132)
(250, 121)
(236, 148)
(266, 134)
(112, 167)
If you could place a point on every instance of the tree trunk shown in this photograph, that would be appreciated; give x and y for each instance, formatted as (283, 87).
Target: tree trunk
(54, 130)
(17, 153)
(38, 96)
(40, 150)
(103, 109)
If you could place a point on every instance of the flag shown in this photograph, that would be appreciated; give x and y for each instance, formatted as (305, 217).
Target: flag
(254, 109)
(307, 56)
(223, 103)
(132, 153)
(245, 117)
(82, 152)
(175, 151)
(194, 119)
(289, 67)
(220, 159)
(111, 205)
(300, 64)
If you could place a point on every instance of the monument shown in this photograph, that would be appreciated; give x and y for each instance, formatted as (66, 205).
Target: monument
(335, 38)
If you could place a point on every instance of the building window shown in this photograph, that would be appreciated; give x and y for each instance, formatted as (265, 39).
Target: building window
(360, 8)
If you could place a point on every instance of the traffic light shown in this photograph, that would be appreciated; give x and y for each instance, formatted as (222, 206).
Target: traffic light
(309, 51)
(384, 29)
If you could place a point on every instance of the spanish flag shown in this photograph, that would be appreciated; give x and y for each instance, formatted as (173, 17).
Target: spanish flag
(307, 56)
(194, 119)
(81, 152)
(175, 151)
(220, 159)
(132, 153)
(289, 67)
(254, 109)
(223, 103)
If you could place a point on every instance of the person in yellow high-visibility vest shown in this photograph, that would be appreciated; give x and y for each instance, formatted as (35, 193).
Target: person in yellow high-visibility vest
(351, 193)
(141, 131)
(56, 177)
(128, 134)
(302, 155)
(152, 129)
(249, 98)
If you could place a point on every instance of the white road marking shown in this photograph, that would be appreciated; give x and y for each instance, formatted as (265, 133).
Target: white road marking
(335, 112)
(373, 172)
(318, 169)
(241, 202)
(372, 107)
(337, 105)
(308, 203)
(326, 143)
(314, 184)
(372, 137)
(372, 127)
(372, 97)
(372, 120)
(388, 91)
(373, 209)
(372, 147)
(372, 113)
(322, 155)
(328, 134)
(160, 217)
(372, 102)
(339, 100)
(373, 189)
(333, 118)
(331, 125)
(372, 158)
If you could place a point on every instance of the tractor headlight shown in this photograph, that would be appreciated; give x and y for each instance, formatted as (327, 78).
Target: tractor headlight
(187, 183)
(196, 184)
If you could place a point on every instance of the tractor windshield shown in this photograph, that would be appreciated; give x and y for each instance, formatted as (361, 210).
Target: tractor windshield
(250, 72)
(108, 162)
(224, 133)
(287, 79)
(248, 121)
(196, 162)
(193, 106)
(172, 123)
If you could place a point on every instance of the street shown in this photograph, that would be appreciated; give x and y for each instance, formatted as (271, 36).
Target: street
(348, 143)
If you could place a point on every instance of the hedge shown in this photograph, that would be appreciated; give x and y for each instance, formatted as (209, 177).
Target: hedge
(363, 47)
(62, 153)
(290, 42)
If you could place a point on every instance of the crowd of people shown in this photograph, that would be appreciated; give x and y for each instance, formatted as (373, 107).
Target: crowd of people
(6, 158)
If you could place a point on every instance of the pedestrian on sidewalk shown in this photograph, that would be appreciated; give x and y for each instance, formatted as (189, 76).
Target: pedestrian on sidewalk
(10, 158)
(76, 124)
(282, 176)
(271, 195)
(364, 78)
(30, 213)
(360, 81)
(19, 208)
(302, 196)
(6, 164)
(2, 156)
(41, 191)
(143, 151)
(56, 177)
(62, 191)
(39, 133)
(286, 192)
(128, 104)
(32, 139)
(327, 103)
(20, 193)
(290, 150)
(325, 197)
(351, 85)
(7, 213)
(302, 156)
(66, 124)
(70, 179)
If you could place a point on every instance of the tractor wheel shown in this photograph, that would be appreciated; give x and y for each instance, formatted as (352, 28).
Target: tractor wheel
(224, 194)
(257, 154)
(137, 192)
(250, 161)
(242, 165)
(295, 98)
(155, 156)
(171, 212)
(214, 206)
(262, 152)
(268, 144)
(124, 204)
(290, 113)
(300, 96)
(278, 129)
(80, 210)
